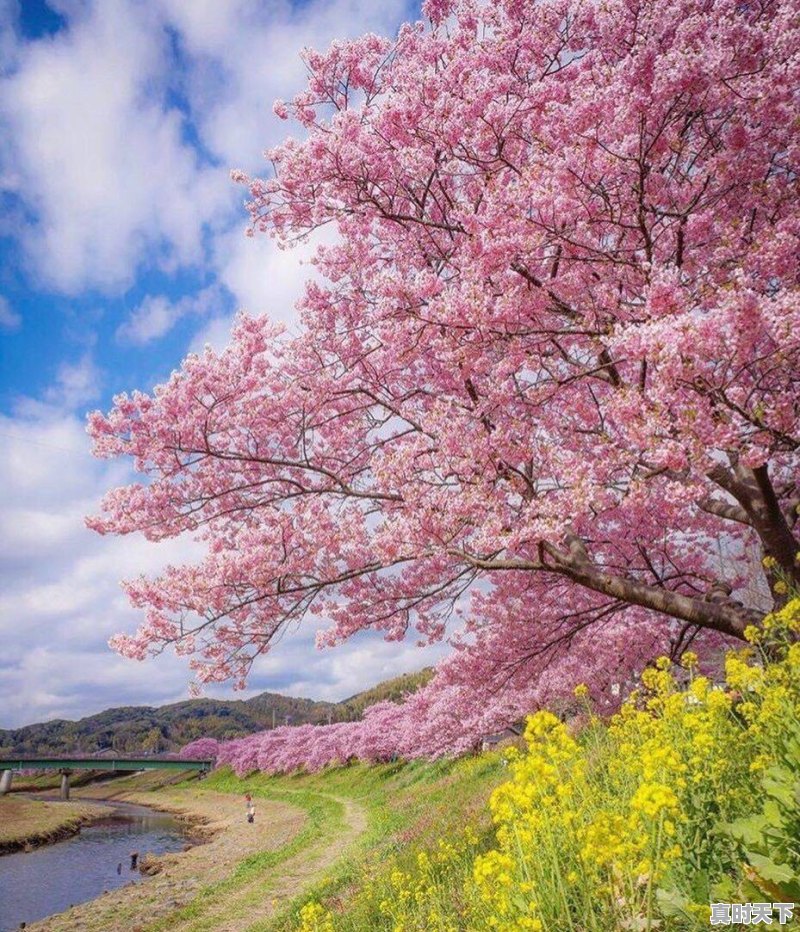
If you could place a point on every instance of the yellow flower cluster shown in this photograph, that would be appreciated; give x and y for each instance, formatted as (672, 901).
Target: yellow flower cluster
(589, 828)
(313, 918)
(607, 828)
(420, 898)
(768, 690)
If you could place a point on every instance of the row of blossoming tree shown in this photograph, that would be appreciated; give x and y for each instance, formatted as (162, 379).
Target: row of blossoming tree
(544, 398)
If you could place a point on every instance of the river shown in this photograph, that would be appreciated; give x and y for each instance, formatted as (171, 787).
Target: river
(50, 879)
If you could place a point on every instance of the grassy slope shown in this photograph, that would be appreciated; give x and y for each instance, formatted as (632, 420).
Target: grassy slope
(405, 805)
(50, 780)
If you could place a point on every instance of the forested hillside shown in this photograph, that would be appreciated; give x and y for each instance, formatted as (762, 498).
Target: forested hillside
(130, 729)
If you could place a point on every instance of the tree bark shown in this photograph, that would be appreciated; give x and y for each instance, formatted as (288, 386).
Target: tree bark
(753, 490)
(715, 612)
(726, 618)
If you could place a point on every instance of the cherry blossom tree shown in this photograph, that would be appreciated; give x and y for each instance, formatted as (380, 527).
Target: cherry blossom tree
(200, 749)
(547, 374)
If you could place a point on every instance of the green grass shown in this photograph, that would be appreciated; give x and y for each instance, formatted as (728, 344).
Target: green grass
(405, 805)
(35, 821)
(408, 806)
(324, 818)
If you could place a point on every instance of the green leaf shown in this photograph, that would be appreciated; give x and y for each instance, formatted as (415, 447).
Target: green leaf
(748, 830)
(779, 784)
(699, 886)
(673, 904)
(772, 812)
(769, 870)
(724, 891)
(521, 902)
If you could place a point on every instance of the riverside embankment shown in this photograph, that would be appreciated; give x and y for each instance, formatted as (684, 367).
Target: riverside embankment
(39, 882)
(27, 823)
(321, 835)
(240, 874)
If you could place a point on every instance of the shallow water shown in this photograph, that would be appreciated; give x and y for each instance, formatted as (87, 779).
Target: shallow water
(49, 880)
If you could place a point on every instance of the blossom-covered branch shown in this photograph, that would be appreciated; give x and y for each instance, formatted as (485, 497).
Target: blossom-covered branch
(554, 346)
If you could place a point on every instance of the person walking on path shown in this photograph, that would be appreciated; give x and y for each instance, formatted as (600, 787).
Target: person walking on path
(251, 808)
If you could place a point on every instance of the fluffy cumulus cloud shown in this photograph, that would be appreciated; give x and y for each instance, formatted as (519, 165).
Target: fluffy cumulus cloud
(119, 125)
(76, 384)
(121, 129)
(100, 156)
(157, 314)
(60, 600)
(265, 280)
(254, 46)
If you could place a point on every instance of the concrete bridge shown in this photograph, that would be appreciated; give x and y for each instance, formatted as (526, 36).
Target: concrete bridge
(66, 765)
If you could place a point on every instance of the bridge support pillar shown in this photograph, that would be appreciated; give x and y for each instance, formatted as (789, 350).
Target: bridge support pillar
(65, 783)
(5, 781)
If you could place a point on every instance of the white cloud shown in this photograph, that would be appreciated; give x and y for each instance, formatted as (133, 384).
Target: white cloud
(9, 318)
(76, 384)
(57, 681)
(99, 155)
(114, 169)
(216, 333)
(149, 321)
(256, 46)
(297, 668)
(60, 598)
(157, 315)
(262, 278)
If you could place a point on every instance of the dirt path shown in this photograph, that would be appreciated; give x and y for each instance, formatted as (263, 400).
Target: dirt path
(232, 883)
(253, 904)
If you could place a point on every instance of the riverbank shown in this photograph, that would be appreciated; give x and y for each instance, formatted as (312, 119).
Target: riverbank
(231, 847)
(320, 836)
(28, 823)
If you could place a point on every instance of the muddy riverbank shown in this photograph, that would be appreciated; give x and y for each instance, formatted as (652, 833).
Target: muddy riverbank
(103, 856)
(217, 819)
(29, 823)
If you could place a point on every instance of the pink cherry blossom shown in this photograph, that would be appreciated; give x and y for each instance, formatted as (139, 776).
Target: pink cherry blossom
(201, 749)
(546, 387)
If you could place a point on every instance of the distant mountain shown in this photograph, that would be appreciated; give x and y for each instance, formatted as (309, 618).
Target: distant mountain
(394, 690)
(136, 729)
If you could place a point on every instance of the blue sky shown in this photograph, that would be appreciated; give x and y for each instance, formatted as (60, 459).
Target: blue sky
(122, 248)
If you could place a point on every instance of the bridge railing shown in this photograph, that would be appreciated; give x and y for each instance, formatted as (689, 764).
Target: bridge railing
(66, 765)
(77, 762)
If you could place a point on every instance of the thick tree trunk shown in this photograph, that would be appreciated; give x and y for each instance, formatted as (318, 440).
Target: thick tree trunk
(753, 490)
(715, 612)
